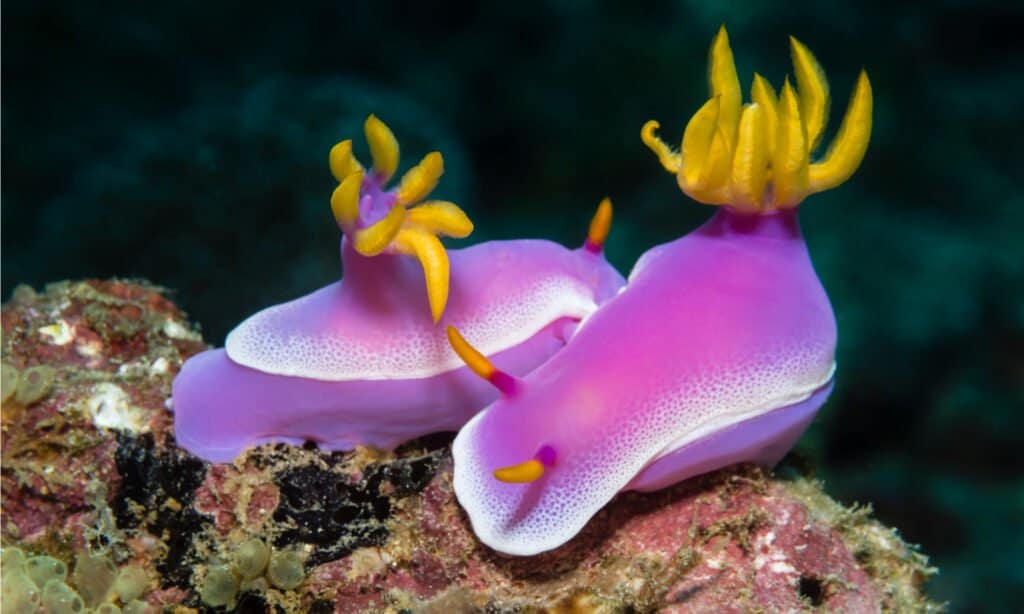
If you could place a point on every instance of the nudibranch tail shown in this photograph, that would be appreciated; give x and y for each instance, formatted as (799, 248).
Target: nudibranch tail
(600, 226)
(376, 219)
(479, 364)
(756, 157)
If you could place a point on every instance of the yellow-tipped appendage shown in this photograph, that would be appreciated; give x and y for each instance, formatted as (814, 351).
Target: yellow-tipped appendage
(600, 226)
(813, 88)
(342, 162)
(476, 361)
(479, 364)
(520, 473)
(428, 250)
(756, 157)
(670, 160)
(421, 179)
(383, 147)
(530, 471)
(411, 226)
(375, 239)
(345, 199)
(850, 143)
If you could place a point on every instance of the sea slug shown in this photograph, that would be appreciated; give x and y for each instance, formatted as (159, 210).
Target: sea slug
(362, 360)
(720, 350)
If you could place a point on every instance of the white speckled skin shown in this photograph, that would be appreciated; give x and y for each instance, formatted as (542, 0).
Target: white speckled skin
(374, 324)
(718, 328)
(360, 362)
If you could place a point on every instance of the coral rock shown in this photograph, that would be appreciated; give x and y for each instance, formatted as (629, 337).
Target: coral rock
(90, 469)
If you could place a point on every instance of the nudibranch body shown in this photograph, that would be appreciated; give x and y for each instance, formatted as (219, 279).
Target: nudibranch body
(720, 350)
(362, 361)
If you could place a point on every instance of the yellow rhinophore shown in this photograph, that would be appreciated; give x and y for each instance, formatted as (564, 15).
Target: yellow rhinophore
(756, 157)
(414, 231)
(477, 362)
(523, 473)
(600, 226)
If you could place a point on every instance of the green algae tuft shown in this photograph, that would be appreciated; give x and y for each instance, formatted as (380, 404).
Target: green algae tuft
(34, 384)
(94, 576)
(135, 607)
(131, 583)
(8, 381)
(59, 598)
(250, 559)
(42, 569)
(19, 592)
(286, 570)
(220, 587)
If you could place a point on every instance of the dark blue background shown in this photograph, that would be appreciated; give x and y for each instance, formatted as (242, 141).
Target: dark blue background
(187, 143)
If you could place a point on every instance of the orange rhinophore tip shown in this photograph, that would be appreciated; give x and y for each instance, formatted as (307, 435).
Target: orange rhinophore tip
(479, 364)
(522, 473)
(531, 470)
(600, 225)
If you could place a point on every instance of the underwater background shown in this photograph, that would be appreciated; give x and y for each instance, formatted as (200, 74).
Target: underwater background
(187, 143)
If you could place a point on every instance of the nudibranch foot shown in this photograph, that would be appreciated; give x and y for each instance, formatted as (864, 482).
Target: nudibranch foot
(762, 440)
(222, 408)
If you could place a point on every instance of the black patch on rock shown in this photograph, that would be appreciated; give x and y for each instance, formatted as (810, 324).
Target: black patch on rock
(434, 442)
(811, 590)
(337, 516)
(321, 606)
(254, 603)
(150, 479)
(406, 476)
(249, 602)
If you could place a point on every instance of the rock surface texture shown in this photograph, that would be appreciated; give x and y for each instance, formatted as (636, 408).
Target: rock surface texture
(91, 477)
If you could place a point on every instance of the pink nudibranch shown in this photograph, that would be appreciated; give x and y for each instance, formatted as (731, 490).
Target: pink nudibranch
(362, 361)
(720, 350)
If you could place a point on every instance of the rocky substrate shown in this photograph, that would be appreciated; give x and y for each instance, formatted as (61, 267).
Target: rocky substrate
(95, 491)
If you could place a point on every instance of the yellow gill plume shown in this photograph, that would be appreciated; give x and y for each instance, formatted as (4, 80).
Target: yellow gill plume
(756, 157)
(412, 225)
